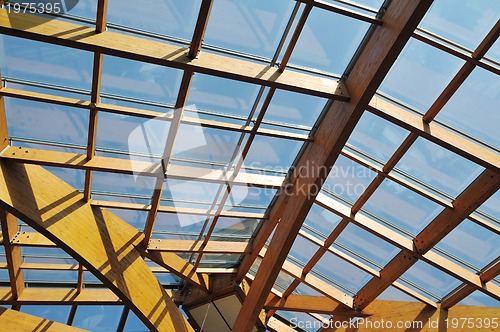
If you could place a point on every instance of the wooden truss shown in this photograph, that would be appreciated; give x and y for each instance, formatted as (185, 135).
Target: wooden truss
(114, 251)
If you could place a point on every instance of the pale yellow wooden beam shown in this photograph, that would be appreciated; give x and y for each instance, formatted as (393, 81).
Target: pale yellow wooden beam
(4, 133)
(12, 320)
(165, 245)
(99, 240)
(12, 253)
(134, 167)
(164, 54)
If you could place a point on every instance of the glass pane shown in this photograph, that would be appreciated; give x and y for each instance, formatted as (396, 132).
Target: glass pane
(73, 177)
(303, 249)
(480, 299)
(56, 313)
(167, 17)
(303, 289)
(376, 137)
(251, 199)
(394, 294)
(464, 22)
(472, 243)
(253, 27)
(221, 95)
(192, 194)
(50, 277)
(184, 224)
(294, 108)
(438, 167)
(205, 144)
(321, 220)
(479, 92)
(406, 210)
(492, 206)
(219, 260)
(367, 245)
(135, 189)
(46, 122)
(237, 228)
(140, 80)
(430, 279)
(45, 63)
(494, 52)
(348, 179)
(134, 324)
(338, 270)
(98, 318)
(328, 41)
(417, 65)
(136, 218)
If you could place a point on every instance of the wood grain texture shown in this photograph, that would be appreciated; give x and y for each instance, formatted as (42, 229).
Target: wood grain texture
(12, 320)
(99, 240)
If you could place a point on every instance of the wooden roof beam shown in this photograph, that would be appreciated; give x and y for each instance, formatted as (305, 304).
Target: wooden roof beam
(164, 54)
(12, 320)
(373, 63)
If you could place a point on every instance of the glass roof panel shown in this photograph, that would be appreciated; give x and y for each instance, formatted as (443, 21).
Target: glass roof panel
(367, 245)
(238, 229)
(140, 80)
(252, 27)
(480, 93)
(394, 294)
(472, 244)
(426, 277)
(438, 167)
(345, 274)
(464, 22)
(45, 63)
(167, 17)
(417, 65)
(492, 206)
(221, 95)
(272, 154)
(303, 249)
(56, 313)
(250, 199)
(46, 122)
(182, 224)
(406, 210)
(328, 41)
(205, 144)
(321, 220)
(134, 324)
(97, 318)
(294, 108)
(494, 52)
(134, 189)
(193, 194)
(74, 177)
(303, 289)
(348, 179)
(50, 276)
(479, 299)
(136, 218)
(376, 137)
(219, 260)
(132, 135)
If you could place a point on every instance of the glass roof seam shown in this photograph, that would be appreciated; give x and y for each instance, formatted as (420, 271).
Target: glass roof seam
(358, 255)
(8, 79)
(423, 290)
(423, 184)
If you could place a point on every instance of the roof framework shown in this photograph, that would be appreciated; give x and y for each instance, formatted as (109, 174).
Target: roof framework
(264, 255)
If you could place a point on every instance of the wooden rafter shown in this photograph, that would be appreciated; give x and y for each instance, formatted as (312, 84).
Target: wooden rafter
(385, 42)
(12, 320)
(12, 253)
